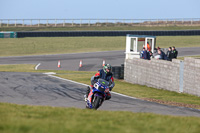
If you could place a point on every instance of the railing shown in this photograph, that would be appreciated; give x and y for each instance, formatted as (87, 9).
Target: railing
(97, 22)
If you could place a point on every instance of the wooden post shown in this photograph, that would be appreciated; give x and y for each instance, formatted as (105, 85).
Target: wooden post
(80, 22)
(72, 22)
(38, 23)
(55, 22)
(15, 23)
(97, 22)
(89, 23)
(106, 22)
(23, 23)
(63, 23)
(8, 23)
(47, 22)
(149, 22)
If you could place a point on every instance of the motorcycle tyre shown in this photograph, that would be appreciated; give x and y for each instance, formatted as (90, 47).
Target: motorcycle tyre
(97, 102)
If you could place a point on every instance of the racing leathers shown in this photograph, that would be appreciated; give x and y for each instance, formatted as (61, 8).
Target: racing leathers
(108, 76)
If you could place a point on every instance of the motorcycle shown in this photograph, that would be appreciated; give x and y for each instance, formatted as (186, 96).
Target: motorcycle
(98, 94)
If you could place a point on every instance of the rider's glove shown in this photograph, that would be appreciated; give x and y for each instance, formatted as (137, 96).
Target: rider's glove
(96, 77)
(110, 88)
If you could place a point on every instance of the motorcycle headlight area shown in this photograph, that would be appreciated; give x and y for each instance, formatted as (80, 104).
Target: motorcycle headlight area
(99, 87)
(96, 86)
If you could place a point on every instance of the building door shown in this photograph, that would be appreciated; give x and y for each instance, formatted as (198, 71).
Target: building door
(149, 44)
(133, 47)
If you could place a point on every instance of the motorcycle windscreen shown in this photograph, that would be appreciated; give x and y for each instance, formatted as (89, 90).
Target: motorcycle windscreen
(103, 82)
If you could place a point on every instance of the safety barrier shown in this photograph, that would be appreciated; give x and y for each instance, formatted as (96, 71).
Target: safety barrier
(8, 34)
(118, 71)
(106, 33)
(175, 75)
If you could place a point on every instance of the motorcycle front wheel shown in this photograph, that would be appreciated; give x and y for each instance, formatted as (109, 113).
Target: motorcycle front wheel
(96, 102)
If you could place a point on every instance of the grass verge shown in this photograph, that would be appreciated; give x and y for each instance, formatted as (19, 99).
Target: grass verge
(58, 45)
(40, 119)
(182, 58)
(139, 91)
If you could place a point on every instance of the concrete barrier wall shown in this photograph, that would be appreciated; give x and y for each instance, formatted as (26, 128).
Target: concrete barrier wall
(164, 74)
(191, 79)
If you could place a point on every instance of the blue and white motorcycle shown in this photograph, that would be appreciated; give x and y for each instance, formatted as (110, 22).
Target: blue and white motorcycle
(97, 94)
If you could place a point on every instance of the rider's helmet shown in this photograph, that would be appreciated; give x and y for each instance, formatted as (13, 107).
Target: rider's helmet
(107, 66)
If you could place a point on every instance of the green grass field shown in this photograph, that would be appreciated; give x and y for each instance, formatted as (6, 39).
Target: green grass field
(99, 28)
(58, 45)
(182, 58)
(41, 119)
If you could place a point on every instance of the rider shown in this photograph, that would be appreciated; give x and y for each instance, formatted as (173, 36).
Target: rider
(105, 74)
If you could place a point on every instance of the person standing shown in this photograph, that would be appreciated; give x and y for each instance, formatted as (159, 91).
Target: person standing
(169, 54)
(148, 47)
(145, 54)
(142, 53)
(175, 52)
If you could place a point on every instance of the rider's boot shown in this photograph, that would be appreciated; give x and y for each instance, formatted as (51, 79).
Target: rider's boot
(108, 96)
(87, 92)
(85, 97)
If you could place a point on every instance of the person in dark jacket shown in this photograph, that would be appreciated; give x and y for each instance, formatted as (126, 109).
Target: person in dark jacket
(105, 74)
(175, 52)
(142, 53)
(145, 54)
(161, 54)
(170, 54)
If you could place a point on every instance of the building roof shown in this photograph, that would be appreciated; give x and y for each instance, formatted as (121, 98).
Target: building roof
(140, 36)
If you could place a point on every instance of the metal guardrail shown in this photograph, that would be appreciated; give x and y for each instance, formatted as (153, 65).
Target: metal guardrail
(97, 22)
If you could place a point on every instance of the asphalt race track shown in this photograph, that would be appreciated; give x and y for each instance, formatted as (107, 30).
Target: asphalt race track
(41, 89)
(90, 61)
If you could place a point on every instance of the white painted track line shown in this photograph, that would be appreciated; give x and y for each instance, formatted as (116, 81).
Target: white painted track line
(87, 85)
(36, 67)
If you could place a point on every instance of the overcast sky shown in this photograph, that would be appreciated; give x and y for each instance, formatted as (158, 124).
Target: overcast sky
(105, 9)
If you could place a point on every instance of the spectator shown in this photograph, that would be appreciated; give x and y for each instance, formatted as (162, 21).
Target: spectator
(148, 47)
(145, 54)
(175, 52)
(161, 55)
(169, 54)
(142, 53)
(156, 51)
